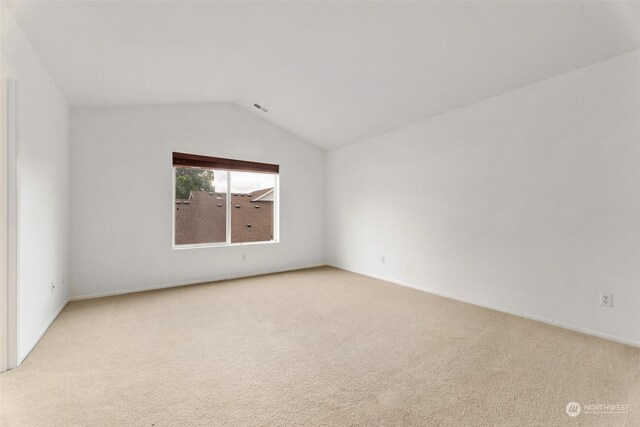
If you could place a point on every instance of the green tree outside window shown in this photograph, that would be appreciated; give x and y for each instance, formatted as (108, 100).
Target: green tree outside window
(189, 179)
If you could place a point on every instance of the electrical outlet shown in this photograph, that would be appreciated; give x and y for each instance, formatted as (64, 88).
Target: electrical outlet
(53, 286)
(244, 257)
(382, 259)
(606, 300)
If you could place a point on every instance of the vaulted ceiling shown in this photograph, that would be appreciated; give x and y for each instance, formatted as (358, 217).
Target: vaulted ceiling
(330, 72)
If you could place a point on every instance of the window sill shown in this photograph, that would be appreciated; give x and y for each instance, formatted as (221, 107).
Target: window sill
(221, 245)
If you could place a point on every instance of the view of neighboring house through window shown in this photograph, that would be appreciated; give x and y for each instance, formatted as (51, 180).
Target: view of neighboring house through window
(218, 206)
(200, 209)
(252, 198)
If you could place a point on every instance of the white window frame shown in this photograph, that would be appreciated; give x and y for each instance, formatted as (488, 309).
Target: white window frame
(276, 215)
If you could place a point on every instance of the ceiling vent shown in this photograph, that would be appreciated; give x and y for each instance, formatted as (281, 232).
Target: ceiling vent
(261, 108)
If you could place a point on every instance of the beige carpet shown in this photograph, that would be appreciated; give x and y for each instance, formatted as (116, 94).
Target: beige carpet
(312, 347)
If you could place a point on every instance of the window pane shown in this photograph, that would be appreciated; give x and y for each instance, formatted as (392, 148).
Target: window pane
(252, 200)
(200, 203)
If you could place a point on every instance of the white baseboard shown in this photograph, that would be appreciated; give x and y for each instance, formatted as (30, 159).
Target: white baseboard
(23, 355)
(188, 283)
(498, 308)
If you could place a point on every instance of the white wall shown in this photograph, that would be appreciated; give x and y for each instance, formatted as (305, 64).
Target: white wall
(528, 202)
(121, 189)
(43, 183)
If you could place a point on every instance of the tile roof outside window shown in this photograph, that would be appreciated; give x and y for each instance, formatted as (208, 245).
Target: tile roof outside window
(203, 220)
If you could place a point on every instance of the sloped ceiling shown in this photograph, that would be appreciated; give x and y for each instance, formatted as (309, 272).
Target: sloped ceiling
(330, 72)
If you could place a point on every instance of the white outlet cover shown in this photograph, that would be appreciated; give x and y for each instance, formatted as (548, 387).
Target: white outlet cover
(606, 300)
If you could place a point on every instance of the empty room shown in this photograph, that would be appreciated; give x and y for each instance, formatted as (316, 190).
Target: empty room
(319, 213)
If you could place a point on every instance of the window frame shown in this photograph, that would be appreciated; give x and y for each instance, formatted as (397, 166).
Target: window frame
(227, 243)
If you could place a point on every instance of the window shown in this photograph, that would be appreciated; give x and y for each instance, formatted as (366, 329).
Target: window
(223, 201)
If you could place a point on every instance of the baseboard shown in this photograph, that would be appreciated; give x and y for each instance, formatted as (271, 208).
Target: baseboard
(498, 308)
(189, 283)
(23, 355)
